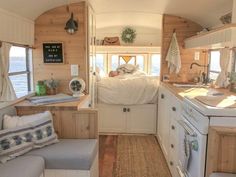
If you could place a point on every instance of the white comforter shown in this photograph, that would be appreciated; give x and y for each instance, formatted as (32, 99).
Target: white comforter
(128, 89)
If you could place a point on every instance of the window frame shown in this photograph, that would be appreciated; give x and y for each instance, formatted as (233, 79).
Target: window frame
(210, 58)
(150, 64)
(28, 70)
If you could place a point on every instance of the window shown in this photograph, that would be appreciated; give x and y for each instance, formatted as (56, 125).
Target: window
(19, 70)
(117, 60)
(155, 64)
(214, 67)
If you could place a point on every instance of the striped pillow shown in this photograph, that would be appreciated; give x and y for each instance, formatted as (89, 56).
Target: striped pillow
(43, 132)
(15, 142)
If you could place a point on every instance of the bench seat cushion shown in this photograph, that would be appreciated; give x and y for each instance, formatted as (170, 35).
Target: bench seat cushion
(222, 175)
(25, 166)
(71, 154)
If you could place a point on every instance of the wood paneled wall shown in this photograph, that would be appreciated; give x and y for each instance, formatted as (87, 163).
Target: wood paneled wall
(49, 27)
(184, 29)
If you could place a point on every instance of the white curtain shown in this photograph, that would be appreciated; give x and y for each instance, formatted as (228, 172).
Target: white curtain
(222, 80)
(7, 92)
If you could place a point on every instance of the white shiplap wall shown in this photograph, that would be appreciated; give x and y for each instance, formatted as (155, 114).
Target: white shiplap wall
(16, 29)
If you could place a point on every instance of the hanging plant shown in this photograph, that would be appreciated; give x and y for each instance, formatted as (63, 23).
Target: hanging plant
(128, 35)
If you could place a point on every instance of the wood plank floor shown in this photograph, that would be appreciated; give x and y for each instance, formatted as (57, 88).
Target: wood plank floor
(108, 156)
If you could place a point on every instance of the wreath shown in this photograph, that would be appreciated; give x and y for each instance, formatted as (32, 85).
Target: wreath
(128, 35)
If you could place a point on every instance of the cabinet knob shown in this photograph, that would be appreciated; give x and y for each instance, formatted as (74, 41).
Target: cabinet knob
(171, 163)
(124, 109)
(128, 109)
(172, 127)
(172, 146)
(162, 96)
(173, 108)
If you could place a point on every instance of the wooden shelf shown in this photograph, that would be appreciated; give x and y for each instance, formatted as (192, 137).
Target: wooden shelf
(128, 49)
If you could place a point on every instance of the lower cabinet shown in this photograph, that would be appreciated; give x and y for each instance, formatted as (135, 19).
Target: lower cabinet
(169, 112)
(127, 119)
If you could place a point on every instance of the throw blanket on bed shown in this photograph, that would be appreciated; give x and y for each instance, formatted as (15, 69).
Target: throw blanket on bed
(128, 89)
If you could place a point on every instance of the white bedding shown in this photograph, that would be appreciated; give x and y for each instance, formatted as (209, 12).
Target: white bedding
(129, 89)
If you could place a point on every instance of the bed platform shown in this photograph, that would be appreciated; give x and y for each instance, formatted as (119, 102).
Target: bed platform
(127, 118)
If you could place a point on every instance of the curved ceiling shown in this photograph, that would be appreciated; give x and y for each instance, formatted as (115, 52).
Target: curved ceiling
(204, 12)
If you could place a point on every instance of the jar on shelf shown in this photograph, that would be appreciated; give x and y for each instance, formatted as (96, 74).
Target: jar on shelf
(40, 88)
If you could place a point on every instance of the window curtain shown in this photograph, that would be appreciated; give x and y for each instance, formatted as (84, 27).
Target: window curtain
(7, 92)
(222, 80)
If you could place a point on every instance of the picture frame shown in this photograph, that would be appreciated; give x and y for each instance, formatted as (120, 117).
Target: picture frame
(53, 53)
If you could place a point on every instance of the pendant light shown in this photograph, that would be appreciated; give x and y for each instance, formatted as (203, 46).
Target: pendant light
(71, 25)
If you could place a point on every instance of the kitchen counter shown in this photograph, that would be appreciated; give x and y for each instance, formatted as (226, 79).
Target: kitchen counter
(221, 98)
(72, 105)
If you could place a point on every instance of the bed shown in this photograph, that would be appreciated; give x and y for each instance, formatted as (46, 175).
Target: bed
(128, 89)
(127, 103)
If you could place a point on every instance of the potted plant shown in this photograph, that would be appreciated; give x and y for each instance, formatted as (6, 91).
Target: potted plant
(52, 86)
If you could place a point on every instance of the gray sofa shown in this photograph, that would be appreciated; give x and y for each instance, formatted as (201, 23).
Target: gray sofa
(68, 154)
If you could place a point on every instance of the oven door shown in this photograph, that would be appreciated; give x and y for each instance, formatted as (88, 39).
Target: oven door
(192, 150)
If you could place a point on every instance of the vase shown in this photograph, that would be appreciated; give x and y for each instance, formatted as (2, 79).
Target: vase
(52, 91)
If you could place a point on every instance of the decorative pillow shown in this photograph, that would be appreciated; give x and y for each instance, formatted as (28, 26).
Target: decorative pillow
(15, 142)
(43, 132)
(42, 127)
(17, 121)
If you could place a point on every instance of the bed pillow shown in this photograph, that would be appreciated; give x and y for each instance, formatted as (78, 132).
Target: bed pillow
(15, 142)
(127, 68)
(17, 121)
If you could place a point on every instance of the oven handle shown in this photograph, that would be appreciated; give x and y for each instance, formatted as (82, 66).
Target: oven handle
(187, 128)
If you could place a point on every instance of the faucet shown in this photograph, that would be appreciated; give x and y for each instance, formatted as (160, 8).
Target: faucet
(204, 75)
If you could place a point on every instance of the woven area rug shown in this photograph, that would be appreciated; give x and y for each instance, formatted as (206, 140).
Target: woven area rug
(139, 156)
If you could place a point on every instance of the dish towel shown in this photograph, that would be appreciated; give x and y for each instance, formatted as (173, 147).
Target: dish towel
(222, 80)
(173, 56)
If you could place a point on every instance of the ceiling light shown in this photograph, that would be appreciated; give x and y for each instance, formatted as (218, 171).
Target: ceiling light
(71, 25)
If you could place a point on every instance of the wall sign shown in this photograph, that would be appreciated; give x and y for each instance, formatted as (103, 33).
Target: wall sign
(53, 53)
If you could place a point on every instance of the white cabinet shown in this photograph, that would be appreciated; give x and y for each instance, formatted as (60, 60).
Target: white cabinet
(141, 119)
(111, 118)
(127, 119)
(169, 112)
(217, 38)
(163, 119)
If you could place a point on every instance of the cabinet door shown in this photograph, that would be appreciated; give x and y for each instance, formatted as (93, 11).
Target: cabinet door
(111, 118)
(163, 119)
(141, 119)
(68, 124)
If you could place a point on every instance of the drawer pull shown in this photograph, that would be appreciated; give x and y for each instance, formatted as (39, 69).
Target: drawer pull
(173, 127)
(124, 109)
(171, 163)
(128, 109)
(173, 108)
(162, 96)
(172, 146)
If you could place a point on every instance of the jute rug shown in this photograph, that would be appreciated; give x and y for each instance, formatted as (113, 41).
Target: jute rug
(139, 156)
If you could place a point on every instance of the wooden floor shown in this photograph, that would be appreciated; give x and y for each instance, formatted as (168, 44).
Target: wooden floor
(108, 156)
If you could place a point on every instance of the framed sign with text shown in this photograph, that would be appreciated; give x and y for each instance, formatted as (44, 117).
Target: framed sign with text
(53, 53)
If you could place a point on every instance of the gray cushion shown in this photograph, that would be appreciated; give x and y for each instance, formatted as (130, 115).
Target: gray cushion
(72, 154)
(25, 166)
(8, 110)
